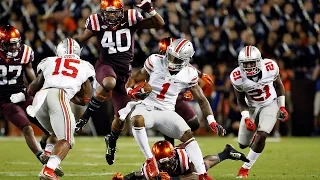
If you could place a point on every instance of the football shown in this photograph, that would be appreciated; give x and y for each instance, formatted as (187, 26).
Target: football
(146, 87)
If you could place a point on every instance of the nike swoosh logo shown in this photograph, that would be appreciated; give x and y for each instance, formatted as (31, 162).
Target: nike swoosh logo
(16, 59)
(122, 24)
(45, 173)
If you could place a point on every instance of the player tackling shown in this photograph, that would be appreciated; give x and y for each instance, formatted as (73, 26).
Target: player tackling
(60, 78)
(260, 95)
(168, 75)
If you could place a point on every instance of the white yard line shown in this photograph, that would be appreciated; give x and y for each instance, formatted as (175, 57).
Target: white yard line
(34, 173)
(78, 163)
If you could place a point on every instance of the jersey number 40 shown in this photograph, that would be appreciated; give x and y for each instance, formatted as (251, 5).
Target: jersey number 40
(115, 45)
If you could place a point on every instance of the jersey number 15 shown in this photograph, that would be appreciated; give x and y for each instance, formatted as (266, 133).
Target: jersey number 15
(68, 69)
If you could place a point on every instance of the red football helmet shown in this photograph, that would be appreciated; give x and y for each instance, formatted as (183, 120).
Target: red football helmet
(112, 12)
(164, 44)
(10, 40)
(165, 155)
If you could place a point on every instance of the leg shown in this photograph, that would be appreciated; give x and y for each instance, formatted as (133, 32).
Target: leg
(17, 116)
(267, 119)
(106, 77)
(120, 100)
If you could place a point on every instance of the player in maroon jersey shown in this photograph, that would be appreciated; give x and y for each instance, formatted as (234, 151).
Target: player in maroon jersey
(15, 61)
(114, 28)
(182, 107)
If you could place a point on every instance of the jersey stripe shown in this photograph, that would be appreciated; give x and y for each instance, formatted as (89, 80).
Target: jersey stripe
(95, 22)
(134, 15)
(183, 160)
(130, 17)
(26, 55)
(180, 45)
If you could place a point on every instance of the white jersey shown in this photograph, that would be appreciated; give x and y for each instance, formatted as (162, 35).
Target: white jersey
(64, 73)
(260, 93)
(166, 87)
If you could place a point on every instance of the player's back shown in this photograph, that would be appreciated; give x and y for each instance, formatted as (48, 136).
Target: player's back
(65, 73)
(12, 72)
(116, 45)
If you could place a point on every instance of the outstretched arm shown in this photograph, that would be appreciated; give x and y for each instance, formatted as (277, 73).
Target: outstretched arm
(36, 85)
(30, 75)
(87, 34)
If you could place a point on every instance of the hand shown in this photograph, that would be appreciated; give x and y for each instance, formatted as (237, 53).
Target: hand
(187, 96)
(165, 176)
(283, 114)
(18, 97)
(146, 6)
(136, 93)
(117, 176)
(215, 127)
(206, 78)
(249, 124)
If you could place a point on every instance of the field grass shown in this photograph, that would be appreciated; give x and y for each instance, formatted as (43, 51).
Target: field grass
(287, 159)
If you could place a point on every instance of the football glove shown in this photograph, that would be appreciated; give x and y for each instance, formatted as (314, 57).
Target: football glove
(136, 93)
(18, 97)
(250, 124)
(117, 176)
(206, 78)
(187, 96)
(215, 127)
(146, 6)
(283, 114)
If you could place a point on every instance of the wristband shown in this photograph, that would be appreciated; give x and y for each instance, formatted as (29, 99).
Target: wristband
(210, 119)
(152, 13)
(245, 114)
(282, 101)
(128, 89)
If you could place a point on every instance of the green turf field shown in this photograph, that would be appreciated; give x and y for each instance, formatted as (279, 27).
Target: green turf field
(289, 158)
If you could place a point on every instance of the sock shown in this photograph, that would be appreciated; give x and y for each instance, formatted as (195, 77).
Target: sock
(223, 156)
(42, 144)
(252, 156)
(53, 162)
(48, 149)
(195, 155)
(93, 105)
(171, 140)
(140, 134)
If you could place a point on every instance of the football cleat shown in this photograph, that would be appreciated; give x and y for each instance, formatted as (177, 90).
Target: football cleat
(205, 176)
(234, 154)
(111, 148)
(44, 158)
(243, 173)
(80, 125)
(47, 174)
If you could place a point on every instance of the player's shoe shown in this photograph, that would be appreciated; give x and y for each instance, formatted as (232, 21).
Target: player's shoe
(44, 158)
(205, 176)
(152, 167)
(47, 174)
(111, 148)
(81, 124)
(243, 173)
(234, 154)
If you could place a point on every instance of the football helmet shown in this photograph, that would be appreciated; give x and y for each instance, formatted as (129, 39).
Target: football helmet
(10, 41)
(164, 44)
(165, 155)
(249, 60)
(68, 48)
(179, 54)
(112, 12)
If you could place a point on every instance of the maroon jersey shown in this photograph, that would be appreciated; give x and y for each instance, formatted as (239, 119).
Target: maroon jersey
(116, 46)
(12, 71)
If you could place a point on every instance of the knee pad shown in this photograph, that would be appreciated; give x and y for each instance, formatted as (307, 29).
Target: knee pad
(194, 123)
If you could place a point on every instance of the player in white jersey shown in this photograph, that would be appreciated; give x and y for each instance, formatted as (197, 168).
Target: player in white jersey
(60, 79)
(260, 96)
(168, 75)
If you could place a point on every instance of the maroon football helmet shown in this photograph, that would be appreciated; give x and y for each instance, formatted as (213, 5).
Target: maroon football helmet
(10, 40)
(164, 44)
(112, 12)
(165, 155)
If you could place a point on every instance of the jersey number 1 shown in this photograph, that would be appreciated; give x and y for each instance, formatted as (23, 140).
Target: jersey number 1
(164, 90)
(68, 70)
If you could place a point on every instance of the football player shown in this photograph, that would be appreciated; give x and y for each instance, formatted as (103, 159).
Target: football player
(167, 75)
(114, 28)
(175, 163)
(182, 107)
(60, 78)
(260, 95)
(15, 65)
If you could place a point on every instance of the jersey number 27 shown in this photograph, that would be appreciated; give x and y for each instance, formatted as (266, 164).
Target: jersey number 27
(68, 68)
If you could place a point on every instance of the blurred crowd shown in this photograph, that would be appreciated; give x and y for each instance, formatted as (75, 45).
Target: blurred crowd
(287, 31)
